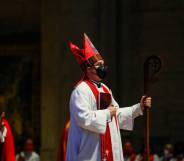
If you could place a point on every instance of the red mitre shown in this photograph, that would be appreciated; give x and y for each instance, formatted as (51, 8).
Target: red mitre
(88, 55)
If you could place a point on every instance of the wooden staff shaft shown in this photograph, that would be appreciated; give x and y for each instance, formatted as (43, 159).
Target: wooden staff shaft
(147, 134)
(146, 118)
(152, 67)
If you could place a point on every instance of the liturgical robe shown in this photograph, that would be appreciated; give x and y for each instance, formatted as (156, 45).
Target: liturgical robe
(87, 123)
(7, 152)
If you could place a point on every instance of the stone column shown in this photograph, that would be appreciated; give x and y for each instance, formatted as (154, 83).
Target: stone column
(52, 101)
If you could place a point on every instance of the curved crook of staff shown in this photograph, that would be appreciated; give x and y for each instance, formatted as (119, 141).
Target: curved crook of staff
(152, 67)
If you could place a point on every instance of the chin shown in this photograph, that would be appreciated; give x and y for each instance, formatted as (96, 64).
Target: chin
(95, 77)
(98, 79)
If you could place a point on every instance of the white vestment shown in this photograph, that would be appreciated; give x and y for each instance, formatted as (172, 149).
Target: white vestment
(32, 157)
(3, 134)
(87, 123)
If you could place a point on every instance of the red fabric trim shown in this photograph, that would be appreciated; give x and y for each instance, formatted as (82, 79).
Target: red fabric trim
(105, 139)
(151, 157)
(133, 157)
(107, 91)
(7, 148)
(63, 143)
(94, 90)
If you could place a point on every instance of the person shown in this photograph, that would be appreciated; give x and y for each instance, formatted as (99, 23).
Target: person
(7, 151)
(128, 152)
(152, 156)
(179, 150)
(168, 153)
(95, 116)
(61, 156)
(28, 153)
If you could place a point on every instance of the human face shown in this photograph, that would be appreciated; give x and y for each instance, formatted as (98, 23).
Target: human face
(92, 73)
(128, 149)
(28, 146)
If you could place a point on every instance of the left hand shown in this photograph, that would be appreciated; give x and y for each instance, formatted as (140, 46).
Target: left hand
(145, 102)
(112, 110)
(1, 121)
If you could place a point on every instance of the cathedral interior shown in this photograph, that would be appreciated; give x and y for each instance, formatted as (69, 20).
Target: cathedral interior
(38, 71)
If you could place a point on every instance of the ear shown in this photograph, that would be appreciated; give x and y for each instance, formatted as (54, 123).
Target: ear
(87, 70)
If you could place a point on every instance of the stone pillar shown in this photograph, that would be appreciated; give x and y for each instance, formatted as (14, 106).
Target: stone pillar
(52, 119)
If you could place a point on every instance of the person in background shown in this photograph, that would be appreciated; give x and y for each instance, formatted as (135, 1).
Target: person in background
(128, 151)
(7, 150)
(168, 153)
(153, 156)
(61, 156)
(179, 151)
(28, 153)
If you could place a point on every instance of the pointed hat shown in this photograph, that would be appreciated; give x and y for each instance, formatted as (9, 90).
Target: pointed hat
(87, 56)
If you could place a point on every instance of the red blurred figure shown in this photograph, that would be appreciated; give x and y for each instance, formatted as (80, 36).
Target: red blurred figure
(128, 152)
(153, 156)
(63, 143)
(7, 151)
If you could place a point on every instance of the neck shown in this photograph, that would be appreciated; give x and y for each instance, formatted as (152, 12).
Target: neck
(94, 81)
(97, 83)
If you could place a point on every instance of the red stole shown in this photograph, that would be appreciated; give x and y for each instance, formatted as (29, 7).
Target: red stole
(7, 152)
(133, 157)
(105, 139)
(63, 143)
(151, 158)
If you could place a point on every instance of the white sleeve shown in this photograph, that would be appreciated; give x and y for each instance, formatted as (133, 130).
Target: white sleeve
(3, 135)
(37, 158)
(127, 115)
(85, 117)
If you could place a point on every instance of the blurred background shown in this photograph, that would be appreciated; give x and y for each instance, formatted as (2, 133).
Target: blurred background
(38, 72)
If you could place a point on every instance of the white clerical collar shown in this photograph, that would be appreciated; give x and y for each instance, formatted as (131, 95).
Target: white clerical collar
(98, 84)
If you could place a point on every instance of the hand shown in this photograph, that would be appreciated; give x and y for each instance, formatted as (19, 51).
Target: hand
(112, 110)
(1, 121)
(2, 127)
(2, 117)
(145, 102)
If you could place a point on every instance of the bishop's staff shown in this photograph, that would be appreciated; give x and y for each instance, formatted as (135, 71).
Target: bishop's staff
(152, 67)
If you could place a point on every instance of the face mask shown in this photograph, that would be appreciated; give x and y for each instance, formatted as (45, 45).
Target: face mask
(101, 71)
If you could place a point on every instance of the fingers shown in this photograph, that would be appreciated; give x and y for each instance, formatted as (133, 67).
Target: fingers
(147, 102)
(110, 107)
(143, 98)
(112, 110)
(2, 115)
